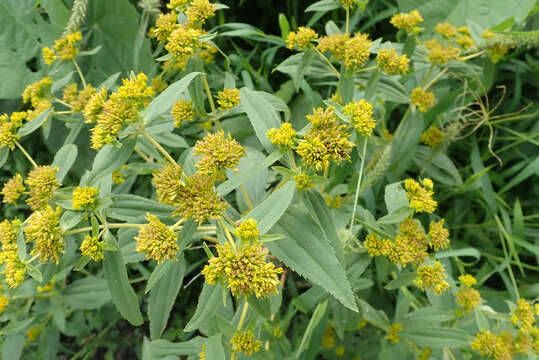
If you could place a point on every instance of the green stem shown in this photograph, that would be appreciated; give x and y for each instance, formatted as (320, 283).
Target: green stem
(427, 76)
(158, 146)
(243, 315)
(347, 30)
(60, 101)
(246, 196)
(210, 99)
(26, 154)
(364, 153)
(177, 224)
(110, 226)
(80, 73)
(439, 75)
(227, 233)
(335, 71)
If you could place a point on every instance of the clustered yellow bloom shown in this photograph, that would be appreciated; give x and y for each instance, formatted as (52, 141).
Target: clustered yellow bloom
(65, 47)
(33, 333)
(84, 197)
(198, 11)
(302, 39)
(438, 235)
(93, 248)
(43, 230)
(158, 84)
(463, 38)
(410, 245)
(376, 246)
(391, 63)
(326, 140)
(244, 269)
(218, 153)
(356, 51)
(228, 98)
(303, 182)
(407, 21)
(247, 230)
(120, 109)
(335, 43)
(8, 131)
(523, 315)
(467, 280)
(393, 333)
(432, 137)
(432, 276)
(4, 301)
(78, 99)
(177, 5)
(202, 353)
(468, 298)
(156, 240)
(446, 30)
(361, 113)
(14, 269)
(49, 56)
(164, 26)
(184, 41)
(245, 342)
(117, 175)
(182, 110)
(37, 94)
(42, 183)
(207, 53)
(420, 196)
(422, 99)
(167, 182)
(328, 339)
(499, 347)
(283, 136)
(440, 54)
(13, 189)
(497, 50)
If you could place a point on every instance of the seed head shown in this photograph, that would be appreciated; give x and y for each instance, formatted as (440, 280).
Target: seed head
(432, 276)
(420, 196)
(228, 98)
(93, 248)
(303, 182)
(13, 189)
(361, 113)
(156, 240)
(218, 153)
(84, 197)
(391, 63)
(302, 39)
(245, 342)
(43, 230)
(247, 230)
(42, 183)
(283, 136)
(182, 110)
(167, 182)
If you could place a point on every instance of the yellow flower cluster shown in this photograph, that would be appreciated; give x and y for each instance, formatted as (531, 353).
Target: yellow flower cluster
(8, 129)
(410, 245)
(13, 189)
(468, 298)
(156, 240)
(43, 230)
(467, 280)
(37, 94)
(42, 183)
(33, 333)
(407, 21)
(328, 339)
(432, 137)
(391, 63)
(354, 51)
(302, 39)
(244, 269)
(523, 315)
(376, 246)
(119, 110)
(84, 197)
(218, 153)
(440, 54)
(245, 343)
(499, 347)
(167, 182)
(182, 110)
(247, 230)
(432, 277)
(326, 140)
(65, 48)
(177, 5)
(361, 113)
(335, 43)
(283, 136)
(183, 42)
(422, 99)
(164, 26)
(438, 235)
(303, 182)
(117, 175)
(447, 30)
(420, 196)
(14, 270)
(207, 53)
(49, 56)
(93, 248)
(497, 51)
(4, 301)
(78, 99)
(393, 333)
(198, 11)
(228, 98)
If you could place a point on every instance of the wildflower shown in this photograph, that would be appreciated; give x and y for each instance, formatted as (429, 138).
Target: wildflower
(8, 134)
(94, 106)
(496, 346)
(407, 21)
(39, 109)
(42, 183)
(245, 343)
(464, 30)
(164, 26)
(303, 182)
(432, 276)
(393, 333)
(158, 85)
(247, 230)
(356, 51)
(313, 153)
(14, 270)
(49, 56)
(523, 315)
(376, 246)
(244, 269)
(391, 63)
(198, 200)
(117, 176)
(76, 99)
(283, 137)
(361, 113)
(322, 118)
(439, 236)
(337, 98)
(36, 92)
(218, 153)
(439, 54)
(18, 117)
(43, 230)
(183, 41)
(467, 280)
(328, 339)
(182, 110)
(33, 333)
(301, 39)
(156, 240)
(432, 137)
(66, 46)
(136, 88)
(167, 182)
(422, 99)
(199, 10)
(13, 189)
(207, 53)
(465, 41)
(409, 246)
(8, 234)
(228, 98)
(4, 301)
(420, 196)
(277, 332)
(523, 343)
(177, 5)
(93, 248)
(202, 354)
(84, 197)
(468, 298)
(335, 43)
(446, 30)
(497, 51)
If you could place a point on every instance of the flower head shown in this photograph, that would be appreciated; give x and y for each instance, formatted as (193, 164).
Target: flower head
(95, 105)
(76, 99)
(356, 51)
(42, 183)
(207, 53)
(218, 153)
(156, 240)
(407, 21)
(14, 270)
(37, 92)
(177, 5)
(523, 315)
(361, 113)
(84, 197)
(244, 269)
(283, 136)
(33, 333)
(302, 39)
(8, 234)
(93, 248)
(4, 301)
(198, 11)
(465, 41)
(391, 63)
(182, 110)
(439, 54)
(432, 276)
(184, 41)
(247, 230)
(13, 189)
(420, 196)
(497, 346)
(377, 246)
(167, 182)
(303, 182)
(439, 236)
(336, 43)
(49, 56)
(228, 98)
(66, 46)
(44, 231)
(432, 137)
(136, 89)
(446, 30)
(409, 246)
(422, 99)
(468, 298)
(245, 342)
(393, 332)
(313, 153)
(164, 26)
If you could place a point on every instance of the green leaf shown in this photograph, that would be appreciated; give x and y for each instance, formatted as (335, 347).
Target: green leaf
(214, 348)
(261, 305)
(70, 219)
(34, 124)
(261, 113)
(157, 273)
(306, 60)
(531, 169)
(109, 159)
(18, 326)
(323, 5)
(58, 316)
(123, 295)
(209, 302)
(273, 207)
(395, 197)
(159, 349)
(307, 251)
(405, 279)
(64, 160)
(437, 338)
(376, 317)
(127, 207)
(163, 296)
(372, 84)
(431, 315)
(4, 154)
(87, 294)
(13, 346)
(318, 313)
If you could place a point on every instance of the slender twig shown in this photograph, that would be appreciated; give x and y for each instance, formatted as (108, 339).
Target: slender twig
(158, 146)
(26, 154)
(109, 226)
(80, 73)
(335, 71)
(364, 153)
